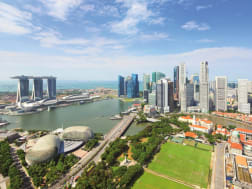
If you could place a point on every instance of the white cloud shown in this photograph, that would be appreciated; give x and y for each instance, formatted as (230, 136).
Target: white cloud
(138, 11)
(52, 38)
(230, 61)
(159, 20)
(60, 8)
(206, 41)
(33, 9)
(92, 45)
(88, 8)
(202, 7)
(14, 21)
(154, 36)
(192, 25)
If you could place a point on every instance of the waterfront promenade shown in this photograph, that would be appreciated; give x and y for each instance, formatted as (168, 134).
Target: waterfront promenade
(95, 154)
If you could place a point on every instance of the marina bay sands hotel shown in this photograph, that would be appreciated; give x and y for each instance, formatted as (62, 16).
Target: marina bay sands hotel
(37, 90)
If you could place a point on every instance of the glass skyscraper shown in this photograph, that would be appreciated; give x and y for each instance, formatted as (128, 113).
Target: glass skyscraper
(120, 86)
(157, 76)
(176, 82)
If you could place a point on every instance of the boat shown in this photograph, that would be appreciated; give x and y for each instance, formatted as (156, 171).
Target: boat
(3, 122)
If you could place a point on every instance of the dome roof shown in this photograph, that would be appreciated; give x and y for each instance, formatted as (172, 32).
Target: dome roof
(78, 133)
(45, 149)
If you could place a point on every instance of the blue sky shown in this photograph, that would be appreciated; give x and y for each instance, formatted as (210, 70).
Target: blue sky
(97, 40)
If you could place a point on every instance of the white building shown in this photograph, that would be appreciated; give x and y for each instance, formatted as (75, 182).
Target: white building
(204, 89)
(164, 95)
(221, 93)
(182, 87)
(243, 105)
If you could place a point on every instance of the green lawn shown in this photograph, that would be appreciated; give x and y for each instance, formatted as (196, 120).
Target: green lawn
(149, 181)
(186, 163)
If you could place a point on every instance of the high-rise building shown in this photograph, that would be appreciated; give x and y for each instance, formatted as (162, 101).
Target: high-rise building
(120, 86)
(176, 82)
(204, 89)
(152, 98)
(196, 93)
(51, 87)
(221, 93)
(146, 96)
(133, 86)
(194, 78)
(23, 89)
(37, 91)
(182, 87)
(164, 95)
(157, 76)
(243, 105)
(189, 94)
(146, 82)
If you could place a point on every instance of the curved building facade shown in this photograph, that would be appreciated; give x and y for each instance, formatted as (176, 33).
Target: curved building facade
(78, 133)
(46, 148)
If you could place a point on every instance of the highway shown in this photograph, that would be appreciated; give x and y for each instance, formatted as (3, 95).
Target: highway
(218, 180)
(95, 154)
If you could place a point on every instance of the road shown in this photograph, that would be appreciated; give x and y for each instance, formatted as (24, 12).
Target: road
(218, 176)
(26, 179)
(95, 154)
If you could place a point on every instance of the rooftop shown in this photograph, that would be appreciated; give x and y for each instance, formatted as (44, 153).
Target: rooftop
(241, 161)
(190, 134)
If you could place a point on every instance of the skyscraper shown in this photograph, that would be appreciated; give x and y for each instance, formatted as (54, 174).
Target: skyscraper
(120, 86)
(243, 105)
(164, 95)
(176, 82)
(51, 87)
(157, 76)
(37, 91)
(204, 90)
(221, 93)
(146, 82)
(133, 86)
(189, 94)
(23, 89)
(182, 87)
(194, 78)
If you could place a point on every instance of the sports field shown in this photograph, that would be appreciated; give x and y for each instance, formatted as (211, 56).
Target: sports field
(185, 163)
(150, 181)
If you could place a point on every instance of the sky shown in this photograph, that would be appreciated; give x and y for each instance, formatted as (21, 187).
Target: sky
(100, 39)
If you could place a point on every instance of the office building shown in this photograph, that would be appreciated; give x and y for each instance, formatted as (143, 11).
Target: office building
(176, 82)
(204, 89)
(194, 78)
(120, 86)
(164, 95)
(146, 96)
(196, 93)
(133, 86)
(51, 87)
(157, 76)
(189, 94)
(221, 93)
(182, 87)
(146, 82)
(152, 98)
(243, 105)
(37, 91)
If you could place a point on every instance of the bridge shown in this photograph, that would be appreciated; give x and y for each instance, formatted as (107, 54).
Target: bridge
(95, 154)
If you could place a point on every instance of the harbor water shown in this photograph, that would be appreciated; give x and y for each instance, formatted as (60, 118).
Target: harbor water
(94, 115)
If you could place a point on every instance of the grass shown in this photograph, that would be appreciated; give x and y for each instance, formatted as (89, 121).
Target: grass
(150, 181)
(185, 163)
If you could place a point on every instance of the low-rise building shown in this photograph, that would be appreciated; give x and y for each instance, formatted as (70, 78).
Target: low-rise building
(199, 128)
